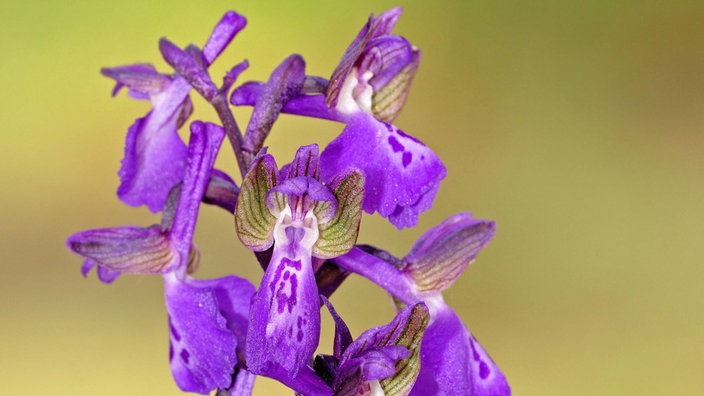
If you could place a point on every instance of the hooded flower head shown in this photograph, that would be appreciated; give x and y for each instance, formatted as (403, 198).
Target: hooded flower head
(298, 215)
(207, 318)
(376, 71)
(383, 360)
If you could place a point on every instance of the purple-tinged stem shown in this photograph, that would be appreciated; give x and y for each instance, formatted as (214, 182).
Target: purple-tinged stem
(234, 135)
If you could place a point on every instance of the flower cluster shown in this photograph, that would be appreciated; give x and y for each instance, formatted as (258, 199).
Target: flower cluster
(300, 220)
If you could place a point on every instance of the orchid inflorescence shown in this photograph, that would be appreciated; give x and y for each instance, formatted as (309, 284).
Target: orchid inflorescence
(301, 220)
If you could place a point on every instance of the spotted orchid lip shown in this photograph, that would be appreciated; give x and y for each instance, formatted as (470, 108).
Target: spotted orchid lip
(284, 326)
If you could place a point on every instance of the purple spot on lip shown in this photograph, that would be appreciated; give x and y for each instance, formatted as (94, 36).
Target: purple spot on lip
(277, 276)
(299, 336)
(402, 133)
(407, 157)
(395, 145)
(171, 351)
(282, 299)
(173, 331)
(184, 355)
(389, 128)
(291, 263)
(484, 370)
(475, 355)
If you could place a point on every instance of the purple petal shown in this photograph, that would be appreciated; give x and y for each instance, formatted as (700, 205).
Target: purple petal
(303, 105)
(202, 347)
(343, 337)
(133, 250)
(305, 185)
(242, 385)
(105, 275)
(305, 163)
(155, 156)
(202, 150)
(402, 174)
(284, 323)
(222, 191)
(223, 33)
(453, 362)
(141, 79)
(375, 27)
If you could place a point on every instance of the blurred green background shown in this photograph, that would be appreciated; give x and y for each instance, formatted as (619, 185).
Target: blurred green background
(576, 125)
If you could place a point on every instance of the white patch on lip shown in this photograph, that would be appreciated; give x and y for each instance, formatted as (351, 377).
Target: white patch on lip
(347, 101)
(376, 389)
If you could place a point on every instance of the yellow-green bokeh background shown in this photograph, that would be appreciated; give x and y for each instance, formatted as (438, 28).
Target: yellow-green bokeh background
(576, 125)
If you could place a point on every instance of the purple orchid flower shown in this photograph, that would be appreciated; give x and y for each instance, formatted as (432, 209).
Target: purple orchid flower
(155, 156)
(381, 361)
(452, 361)
(299, 216)
(207, 318)
(367, 91)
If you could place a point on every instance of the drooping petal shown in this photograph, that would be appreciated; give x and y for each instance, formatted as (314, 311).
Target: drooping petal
(232, 75)
(375, 27)
(453, 362)
(155, 156)
(243, 384)
(307, 383)
(443, 252)
(285, 316)
(305, 163)
(402, 174)
(105, 275)
(205, 318)
(222, 191)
